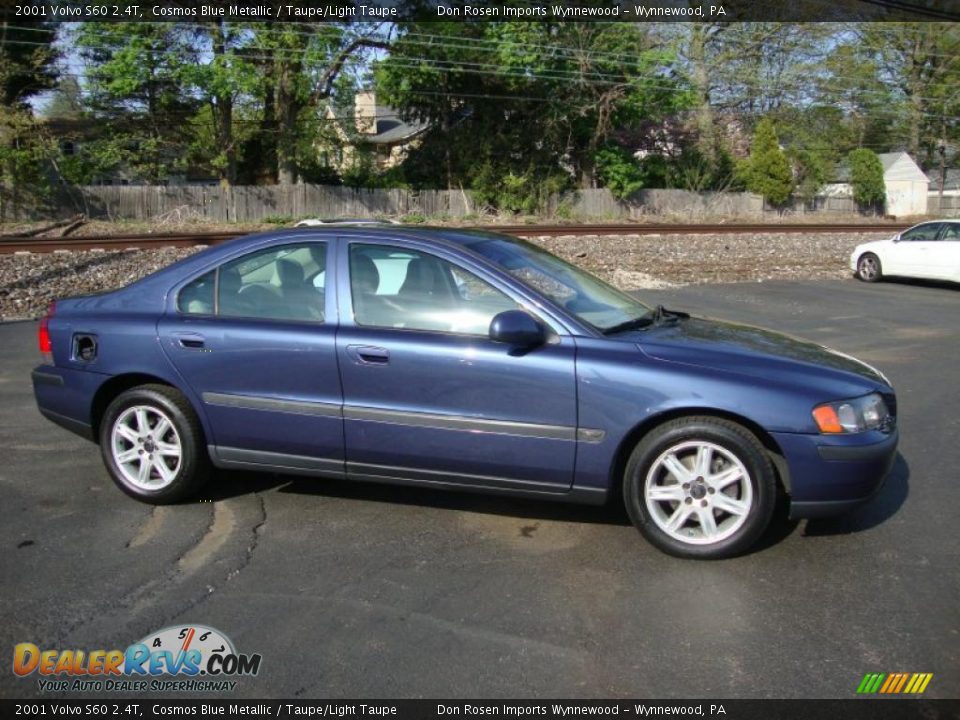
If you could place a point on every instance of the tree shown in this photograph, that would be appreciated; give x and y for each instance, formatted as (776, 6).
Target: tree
(922, 62)
(298, 65)
(27, 58)
(220, 76)
(866, 178)
(66, 103)
(532, 100)
(137, 87)
(767, 171)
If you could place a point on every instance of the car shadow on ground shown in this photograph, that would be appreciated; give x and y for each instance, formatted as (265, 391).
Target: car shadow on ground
(878, 510)
(917, 282)
(228, 484)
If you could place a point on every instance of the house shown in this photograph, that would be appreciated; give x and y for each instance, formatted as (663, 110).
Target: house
(375, 129)
(906, 184)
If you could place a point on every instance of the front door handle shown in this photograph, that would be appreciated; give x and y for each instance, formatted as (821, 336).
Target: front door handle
(368, 354)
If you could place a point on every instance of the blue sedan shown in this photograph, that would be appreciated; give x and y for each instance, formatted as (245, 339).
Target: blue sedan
(463, 360)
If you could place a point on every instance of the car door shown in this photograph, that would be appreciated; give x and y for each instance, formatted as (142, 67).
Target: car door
(911, 254)
(946, 256)
(428, 397)
(255, 341)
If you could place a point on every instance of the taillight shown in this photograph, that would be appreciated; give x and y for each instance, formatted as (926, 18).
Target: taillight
(43, 334)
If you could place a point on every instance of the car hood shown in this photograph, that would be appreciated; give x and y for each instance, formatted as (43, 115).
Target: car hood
(759, 352)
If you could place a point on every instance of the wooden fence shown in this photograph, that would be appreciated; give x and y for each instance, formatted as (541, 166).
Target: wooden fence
(175, 203)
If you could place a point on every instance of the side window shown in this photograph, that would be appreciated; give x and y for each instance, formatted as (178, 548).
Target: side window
(951, 232)
(279, 283)
(197, 297)
(922, 233)
(399, 288)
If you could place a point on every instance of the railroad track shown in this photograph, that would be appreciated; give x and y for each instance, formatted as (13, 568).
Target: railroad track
(12, 244)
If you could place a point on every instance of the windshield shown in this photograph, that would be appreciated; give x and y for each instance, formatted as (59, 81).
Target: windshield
(589, 298)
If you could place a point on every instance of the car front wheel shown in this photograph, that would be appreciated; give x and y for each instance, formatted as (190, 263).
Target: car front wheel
(152, 444)
(869, 268)
(700, 487)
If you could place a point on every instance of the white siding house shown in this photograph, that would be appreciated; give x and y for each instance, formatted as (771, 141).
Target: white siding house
(905, 182)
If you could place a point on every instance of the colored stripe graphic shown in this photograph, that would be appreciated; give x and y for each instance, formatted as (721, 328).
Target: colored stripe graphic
(894, 683)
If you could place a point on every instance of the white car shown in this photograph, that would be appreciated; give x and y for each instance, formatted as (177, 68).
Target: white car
(318, 222)
(930, 251)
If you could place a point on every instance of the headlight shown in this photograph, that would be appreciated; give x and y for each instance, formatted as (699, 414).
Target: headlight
(852, 416)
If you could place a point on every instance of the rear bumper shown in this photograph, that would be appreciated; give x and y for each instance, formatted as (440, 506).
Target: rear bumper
(64, 397)
(831, 475)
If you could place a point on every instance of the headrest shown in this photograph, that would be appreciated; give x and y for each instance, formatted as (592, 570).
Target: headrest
(289, 272)
(364, 273)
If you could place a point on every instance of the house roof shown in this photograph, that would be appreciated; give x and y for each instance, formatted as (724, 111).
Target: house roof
(391, 128)
(896, 166)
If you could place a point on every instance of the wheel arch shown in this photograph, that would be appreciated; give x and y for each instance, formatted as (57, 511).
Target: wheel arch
(636, 434)
(113, 387)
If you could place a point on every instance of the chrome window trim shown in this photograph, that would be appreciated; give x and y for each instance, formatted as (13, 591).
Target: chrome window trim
(403, 417)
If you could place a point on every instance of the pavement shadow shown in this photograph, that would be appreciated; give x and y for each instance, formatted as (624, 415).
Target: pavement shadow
(228, 484)
(917, 282)
(780, 528)
(878, 510)
(233, 483)
(608, 514)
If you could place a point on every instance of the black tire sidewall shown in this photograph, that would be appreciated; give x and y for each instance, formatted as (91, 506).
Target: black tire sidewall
(728, 435)
(192, 465)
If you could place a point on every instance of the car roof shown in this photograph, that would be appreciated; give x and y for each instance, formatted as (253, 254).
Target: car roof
(215, 254)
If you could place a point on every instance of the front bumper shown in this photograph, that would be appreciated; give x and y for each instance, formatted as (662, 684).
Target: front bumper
(832, 474)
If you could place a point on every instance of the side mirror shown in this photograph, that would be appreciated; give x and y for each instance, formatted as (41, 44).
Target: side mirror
(896, 238)
(517, 328)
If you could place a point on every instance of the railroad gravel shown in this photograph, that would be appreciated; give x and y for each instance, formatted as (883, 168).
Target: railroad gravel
(632, 262)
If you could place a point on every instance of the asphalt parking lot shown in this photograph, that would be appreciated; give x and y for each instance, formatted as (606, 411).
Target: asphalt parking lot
(369, 591)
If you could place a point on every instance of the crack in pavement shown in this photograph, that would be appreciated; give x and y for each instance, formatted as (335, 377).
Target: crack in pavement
(220, 555)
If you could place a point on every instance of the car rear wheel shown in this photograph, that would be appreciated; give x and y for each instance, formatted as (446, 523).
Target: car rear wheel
(869, 268)
(152, 444)
(700, 487)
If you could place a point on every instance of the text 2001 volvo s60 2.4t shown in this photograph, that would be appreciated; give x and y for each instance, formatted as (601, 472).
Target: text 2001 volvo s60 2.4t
(462, 360)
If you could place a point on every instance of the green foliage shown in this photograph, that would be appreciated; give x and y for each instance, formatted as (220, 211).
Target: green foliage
(25, 151)
(620, 171)
(503, 97)
(767, 171)
(866, 177)
(510, 191)
(27, 60)
(697, 172)
(812, 170)
(413, 219)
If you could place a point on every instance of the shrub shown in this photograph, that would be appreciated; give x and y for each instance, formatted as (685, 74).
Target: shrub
(866, 178)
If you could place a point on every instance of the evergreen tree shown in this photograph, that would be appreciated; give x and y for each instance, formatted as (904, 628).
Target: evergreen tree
(866, 177)
(767, 171)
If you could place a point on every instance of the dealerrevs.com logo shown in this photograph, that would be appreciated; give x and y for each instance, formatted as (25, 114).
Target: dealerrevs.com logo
(176, 659)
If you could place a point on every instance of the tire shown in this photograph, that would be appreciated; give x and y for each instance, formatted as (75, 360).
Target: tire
(869, 268)
(157, 469)
(666, 493)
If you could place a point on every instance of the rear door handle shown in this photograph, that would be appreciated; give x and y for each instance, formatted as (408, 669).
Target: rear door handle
(190, 341)
(368, 354)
